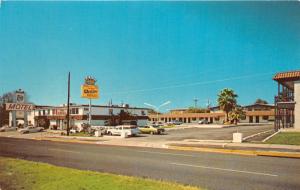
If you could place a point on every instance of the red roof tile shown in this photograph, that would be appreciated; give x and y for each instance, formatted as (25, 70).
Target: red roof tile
(290, 75)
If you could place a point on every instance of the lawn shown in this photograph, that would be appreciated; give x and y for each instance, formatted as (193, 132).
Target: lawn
(81, 134)
(21, 174)
(290, 138)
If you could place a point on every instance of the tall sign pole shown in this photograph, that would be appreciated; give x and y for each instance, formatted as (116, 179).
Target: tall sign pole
(90, 91)
(90, 112)
(68, 107)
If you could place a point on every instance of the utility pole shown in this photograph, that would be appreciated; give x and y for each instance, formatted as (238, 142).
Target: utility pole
(68, 106)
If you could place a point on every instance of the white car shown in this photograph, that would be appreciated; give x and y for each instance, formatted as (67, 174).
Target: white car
(31, 129)
(175, 122)
(130, 130)
(7, 128)
(203, 121)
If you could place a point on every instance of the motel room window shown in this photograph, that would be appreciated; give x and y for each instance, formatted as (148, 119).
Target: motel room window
(243, 117)
(217, 118)
(44, 112)
(74, 111)
(194, 119)
(266, 117)
(40, 113)
(143, 112)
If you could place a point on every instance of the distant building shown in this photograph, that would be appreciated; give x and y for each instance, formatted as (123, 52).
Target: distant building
(55, 116)
(255, 113)
(287, 100)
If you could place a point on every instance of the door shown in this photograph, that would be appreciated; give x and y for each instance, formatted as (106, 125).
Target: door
(250, 119)
(257, 119)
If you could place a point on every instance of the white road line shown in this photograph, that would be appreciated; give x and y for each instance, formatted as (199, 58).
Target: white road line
(62, 150)
(162, 153)
(224, 169)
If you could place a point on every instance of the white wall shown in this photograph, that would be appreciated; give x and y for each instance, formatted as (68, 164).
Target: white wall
(297, 105)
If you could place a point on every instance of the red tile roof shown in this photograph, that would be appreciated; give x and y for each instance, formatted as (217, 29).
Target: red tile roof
(290, 75)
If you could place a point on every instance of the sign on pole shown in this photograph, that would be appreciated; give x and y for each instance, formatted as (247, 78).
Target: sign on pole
(19, 107)
(90, 91)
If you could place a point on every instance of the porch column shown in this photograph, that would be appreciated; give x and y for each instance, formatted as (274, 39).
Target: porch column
(297, 105)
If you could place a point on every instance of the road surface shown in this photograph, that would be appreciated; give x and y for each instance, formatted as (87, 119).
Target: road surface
(208, 170)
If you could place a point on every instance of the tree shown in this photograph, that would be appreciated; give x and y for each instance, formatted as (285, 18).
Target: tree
(4, 114)
(236, 114)
(197, 110)
(152, 111)
(227, 101)
(260, 101)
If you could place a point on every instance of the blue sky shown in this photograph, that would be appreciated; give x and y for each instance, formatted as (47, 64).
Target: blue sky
(148, 51)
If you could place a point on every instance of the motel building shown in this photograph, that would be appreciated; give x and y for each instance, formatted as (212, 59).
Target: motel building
(55, 117)
(255, 113)
(287, 101)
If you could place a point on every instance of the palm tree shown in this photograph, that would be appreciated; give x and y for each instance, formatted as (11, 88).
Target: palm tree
(236, 114)
(227, 101)
(260, 101)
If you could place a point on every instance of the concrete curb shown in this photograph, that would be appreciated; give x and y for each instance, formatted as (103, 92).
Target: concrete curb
(239, 152)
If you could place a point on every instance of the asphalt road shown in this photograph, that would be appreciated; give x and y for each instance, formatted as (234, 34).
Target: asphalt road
(208, 170)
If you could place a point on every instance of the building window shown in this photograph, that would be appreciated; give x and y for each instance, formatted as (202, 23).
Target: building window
(243, 117)
(194, 119)
(111, 111)
(143, 112)
(217, 118)
(40, 113)
(266, 117)
(74, 111)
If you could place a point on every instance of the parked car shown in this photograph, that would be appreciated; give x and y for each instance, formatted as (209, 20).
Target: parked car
(152, 129)
(203, 121)
(175, 122)
(31, 129)
(7, 128)
(130, 130)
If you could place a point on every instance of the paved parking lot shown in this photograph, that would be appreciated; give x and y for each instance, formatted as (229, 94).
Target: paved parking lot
(171, 134)
(209, 134)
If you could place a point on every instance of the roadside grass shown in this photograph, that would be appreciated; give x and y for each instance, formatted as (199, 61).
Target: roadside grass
(286, 138)
(27, 175)
(80, 134)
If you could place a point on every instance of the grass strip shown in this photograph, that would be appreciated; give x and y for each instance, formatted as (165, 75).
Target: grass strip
(27, 175)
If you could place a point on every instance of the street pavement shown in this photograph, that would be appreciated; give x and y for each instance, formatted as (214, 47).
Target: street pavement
(208, 170)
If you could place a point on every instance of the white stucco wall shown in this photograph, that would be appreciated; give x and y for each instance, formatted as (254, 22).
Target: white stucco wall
(297, 105)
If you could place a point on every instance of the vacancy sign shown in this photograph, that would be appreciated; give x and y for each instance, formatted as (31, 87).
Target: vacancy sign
(19, 107)
(90, 91)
